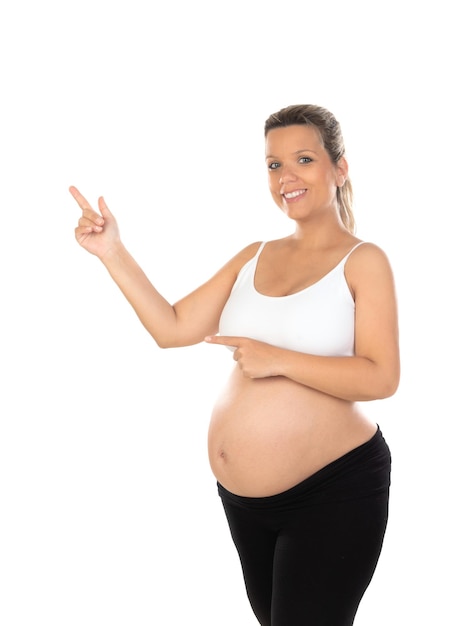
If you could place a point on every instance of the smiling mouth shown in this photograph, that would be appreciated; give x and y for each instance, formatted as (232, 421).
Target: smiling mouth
(294, 194)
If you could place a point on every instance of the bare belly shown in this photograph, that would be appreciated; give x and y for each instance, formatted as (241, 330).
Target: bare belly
(268, 434)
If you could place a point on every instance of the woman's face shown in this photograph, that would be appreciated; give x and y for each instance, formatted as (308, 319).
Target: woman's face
(302, 178)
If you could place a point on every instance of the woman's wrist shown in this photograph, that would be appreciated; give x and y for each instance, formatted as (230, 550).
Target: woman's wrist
(114, 254)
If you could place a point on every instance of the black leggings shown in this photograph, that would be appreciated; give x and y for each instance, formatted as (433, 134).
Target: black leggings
(308, 554)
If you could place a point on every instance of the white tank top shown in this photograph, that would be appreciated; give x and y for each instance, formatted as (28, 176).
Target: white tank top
(319, 319)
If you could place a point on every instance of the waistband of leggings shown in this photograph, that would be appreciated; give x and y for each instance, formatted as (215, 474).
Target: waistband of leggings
(371, 460)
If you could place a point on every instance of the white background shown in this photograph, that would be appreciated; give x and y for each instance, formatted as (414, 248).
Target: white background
(108, 510)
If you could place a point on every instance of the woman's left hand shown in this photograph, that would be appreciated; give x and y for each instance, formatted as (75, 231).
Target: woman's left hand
(255, 358)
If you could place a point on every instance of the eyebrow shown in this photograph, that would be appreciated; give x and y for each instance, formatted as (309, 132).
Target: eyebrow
(271, 156)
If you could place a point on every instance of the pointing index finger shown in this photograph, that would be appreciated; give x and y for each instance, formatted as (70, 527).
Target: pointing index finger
(79, 198)
(223, 340)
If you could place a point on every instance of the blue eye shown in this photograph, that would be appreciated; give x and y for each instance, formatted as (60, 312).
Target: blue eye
(274, 165)
(305, 160)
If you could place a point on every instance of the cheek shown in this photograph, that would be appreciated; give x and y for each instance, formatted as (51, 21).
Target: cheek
(279, 203)
(273, 185)
(274, 191)
(330, 180)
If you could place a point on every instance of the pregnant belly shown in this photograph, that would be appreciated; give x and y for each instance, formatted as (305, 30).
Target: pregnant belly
(266, 435)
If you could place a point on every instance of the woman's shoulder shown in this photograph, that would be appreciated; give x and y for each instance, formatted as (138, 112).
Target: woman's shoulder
(242, 257)
(367, 260)
(366, 251)
(249, 251)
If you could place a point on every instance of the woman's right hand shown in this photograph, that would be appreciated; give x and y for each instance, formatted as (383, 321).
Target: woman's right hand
(96, 232)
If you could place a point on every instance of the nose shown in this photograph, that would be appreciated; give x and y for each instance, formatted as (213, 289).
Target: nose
(286, 175)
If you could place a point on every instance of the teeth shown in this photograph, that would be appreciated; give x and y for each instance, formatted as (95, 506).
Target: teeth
(294, 194)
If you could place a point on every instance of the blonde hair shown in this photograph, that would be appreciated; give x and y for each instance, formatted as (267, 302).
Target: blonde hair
(330, 133)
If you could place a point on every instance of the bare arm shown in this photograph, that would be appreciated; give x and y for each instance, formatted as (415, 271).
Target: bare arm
(373, 372)
(184, 323)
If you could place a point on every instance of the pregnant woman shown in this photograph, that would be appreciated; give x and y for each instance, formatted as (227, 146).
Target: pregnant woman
(311, 320)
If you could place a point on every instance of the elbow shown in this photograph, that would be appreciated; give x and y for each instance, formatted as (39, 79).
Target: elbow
(381, 384)
(162, 345)
(164, 342)
(392, 388)
(173, 341)
(392, 381)
(386, 387)
(387, 391)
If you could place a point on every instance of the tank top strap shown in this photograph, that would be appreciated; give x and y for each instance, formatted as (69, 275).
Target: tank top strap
(345, 258)
(260, 250)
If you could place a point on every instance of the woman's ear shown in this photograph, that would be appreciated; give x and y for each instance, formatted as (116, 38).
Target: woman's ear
(342, 171)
